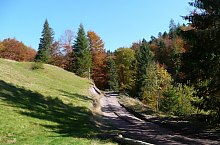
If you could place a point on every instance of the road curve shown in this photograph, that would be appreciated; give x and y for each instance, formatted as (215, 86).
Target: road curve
(135, 128)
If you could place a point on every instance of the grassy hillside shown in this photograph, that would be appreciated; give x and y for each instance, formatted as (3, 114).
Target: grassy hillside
(46, 106)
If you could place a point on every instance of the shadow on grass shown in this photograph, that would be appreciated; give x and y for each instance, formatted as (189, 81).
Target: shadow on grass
(70, 120)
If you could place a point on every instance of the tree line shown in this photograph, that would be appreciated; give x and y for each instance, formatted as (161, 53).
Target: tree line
(176, 72)
(11, 48)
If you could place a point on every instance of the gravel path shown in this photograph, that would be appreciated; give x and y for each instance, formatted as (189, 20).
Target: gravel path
(135, 128)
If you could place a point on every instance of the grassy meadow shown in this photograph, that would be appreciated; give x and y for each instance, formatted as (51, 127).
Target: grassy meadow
(44, 106)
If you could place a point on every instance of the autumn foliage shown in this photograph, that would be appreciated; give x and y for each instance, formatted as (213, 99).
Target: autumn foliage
(15, 50)
(59, 57)
(98, 72)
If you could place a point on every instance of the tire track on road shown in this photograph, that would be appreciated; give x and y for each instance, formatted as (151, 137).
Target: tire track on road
(137, 129)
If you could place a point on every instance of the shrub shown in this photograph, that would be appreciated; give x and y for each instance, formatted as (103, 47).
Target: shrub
(37, 65)
(179, 100)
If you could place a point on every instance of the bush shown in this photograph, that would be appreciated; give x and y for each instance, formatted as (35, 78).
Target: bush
(169, 101)
(179, 100)
(37, 65)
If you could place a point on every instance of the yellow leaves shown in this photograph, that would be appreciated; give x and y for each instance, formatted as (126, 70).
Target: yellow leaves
(179, 45)
(163, 77)
(126, 72)
(95, 41)
(1, 46)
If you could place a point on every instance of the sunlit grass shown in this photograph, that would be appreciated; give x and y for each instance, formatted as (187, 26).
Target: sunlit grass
(44, 106)
(136, 105)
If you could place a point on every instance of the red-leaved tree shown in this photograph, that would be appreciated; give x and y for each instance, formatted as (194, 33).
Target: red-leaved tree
(15, 50)
(98, 71)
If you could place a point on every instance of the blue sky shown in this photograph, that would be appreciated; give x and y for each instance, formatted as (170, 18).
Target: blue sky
(117, 22)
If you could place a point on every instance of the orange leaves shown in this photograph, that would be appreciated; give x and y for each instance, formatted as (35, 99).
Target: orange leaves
(15, 50)
(98, 72)
(179, 45)
(95, 42)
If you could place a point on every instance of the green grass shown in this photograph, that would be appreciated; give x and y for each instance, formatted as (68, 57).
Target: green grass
(136, 105)
(44, 106)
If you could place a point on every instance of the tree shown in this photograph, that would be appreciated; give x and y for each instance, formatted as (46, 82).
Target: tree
(172, 29)
(168, 51)
(144, 62)
(98, 73)
(202, 60)
(124, 58)
(15, 50)
(135, 45)
(179, 100)
(82, 54)
(57, 57)
(66, 42)
(112, 75)
(45, 44)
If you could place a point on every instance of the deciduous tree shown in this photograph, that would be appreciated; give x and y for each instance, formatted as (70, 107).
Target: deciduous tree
(98, 73)
(124, 58)
(15, 50)
(66, 42)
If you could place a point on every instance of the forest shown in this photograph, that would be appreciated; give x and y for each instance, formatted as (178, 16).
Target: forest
(176, 72)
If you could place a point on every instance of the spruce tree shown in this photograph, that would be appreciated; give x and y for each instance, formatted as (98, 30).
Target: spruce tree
(45, 44)
(201, 63)
(144, 59)
(112, 75)
(82, 54)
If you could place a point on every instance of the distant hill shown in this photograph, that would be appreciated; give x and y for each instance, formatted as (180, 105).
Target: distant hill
(44, 106)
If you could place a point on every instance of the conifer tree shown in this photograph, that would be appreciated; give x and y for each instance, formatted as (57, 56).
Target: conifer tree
(45, 44)
(202, 60)
(112, 75)
(82, 54)
(144, 61)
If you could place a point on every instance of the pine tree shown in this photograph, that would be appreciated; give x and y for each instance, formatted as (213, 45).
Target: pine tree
(144, 61)
(173, 28)
(82, 54)
(45, 44)
(112, 75)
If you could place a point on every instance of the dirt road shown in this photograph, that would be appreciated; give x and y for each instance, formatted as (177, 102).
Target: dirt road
(135, 128)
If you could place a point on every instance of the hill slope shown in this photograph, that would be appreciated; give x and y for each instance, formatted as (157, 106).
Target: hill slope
(46, 106)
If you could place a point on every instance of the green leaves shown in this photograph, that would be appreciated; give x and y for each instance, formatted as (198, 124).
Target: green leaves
(179, 100)
(112, 75)
(125, 58)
